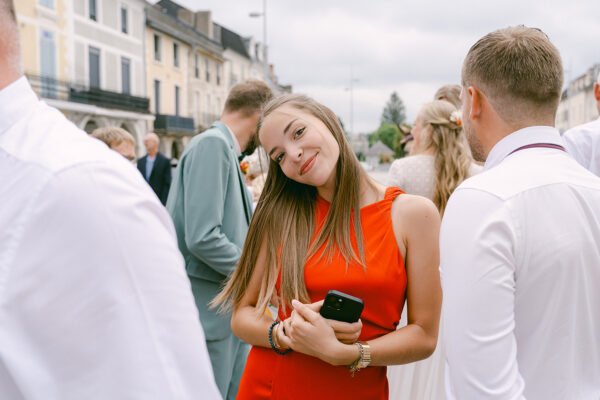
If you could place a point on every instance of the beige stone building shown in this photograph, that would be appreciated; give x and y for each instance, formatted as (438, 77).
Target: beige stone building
(578, 105)
(86, 59)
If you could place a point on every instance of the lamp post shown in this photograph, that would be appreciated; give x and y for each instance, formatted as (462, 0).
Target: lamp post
(263, 14)
(351, 89)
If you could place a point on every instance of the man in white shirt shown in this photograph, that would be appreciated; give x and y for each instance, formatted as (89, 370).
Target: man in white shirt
(520, 242)
(94, 300)
(583, 141)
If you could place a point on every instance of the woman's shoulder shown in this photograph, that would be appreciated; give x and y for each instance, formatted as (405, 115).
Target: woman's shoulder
(412, 215)
(411, 210)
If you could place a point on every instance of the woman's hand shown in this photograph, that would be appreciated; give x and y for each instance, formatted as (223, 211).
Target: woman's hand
(345, 332)
(306, 331)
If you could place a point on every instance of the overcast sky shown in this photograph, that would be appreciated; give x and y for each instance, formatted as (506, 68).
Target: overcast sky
(411, 47)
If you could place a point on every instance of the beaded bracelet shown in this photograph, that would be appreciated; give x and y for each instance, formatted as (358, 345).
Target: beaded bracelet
(275, 349)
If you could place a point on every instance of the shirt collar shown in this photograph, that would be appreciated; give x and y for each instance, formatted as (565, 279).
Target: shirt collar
(236, 144)
(16, 100)
(522, 137)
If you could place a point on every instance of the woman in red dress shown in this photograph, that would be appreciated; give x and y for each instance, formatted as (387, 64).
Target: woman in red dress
(321, 223)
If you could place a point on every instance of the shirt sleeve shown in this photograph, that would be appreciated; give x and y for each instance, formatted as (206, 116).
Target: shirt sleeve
(578, 146)
(477, 242)
(98, 299)
(167, 181)
(205, 179)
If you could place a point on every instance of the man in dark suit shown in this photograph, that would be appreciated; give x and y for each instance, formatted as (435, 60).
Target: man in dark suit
(156, 168)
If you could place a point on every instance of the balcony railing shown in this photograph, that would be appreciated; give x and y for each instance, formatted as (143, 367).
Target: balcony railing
(51, 88)
(108, 99)
(174, 124)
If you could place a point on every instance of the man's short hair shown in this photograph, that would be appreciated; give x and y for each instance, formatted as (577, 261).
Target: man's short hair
(518, 69)
(113, 135)
(248, 97)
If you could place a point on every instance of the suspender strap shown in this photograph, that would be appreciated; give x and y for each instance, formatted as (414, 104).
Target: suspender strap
(534, 145)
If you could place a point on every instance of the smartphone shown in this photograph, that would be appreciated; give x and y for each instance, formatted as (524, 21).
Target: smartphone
(341, 307)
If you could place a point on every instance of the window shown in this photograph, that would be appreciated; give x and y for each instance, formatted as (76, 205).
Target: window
(47, 3)
(48, 64)
(218, 74)
(207, 66)
(156, 96)
(125, 76)
(123, 20)
(93, 10)
(94, 59)
(157, 47)
(176, 54)
(177, 90)
(196, 67)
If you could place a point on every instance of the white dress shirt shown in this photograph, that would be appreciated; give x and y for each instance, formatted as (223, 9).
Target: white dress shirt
(94, 299)
(520, 266)
(583, 143)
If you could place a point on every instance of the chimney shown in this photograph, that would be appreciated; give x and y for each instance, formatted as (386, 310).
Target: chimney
(204, 23)
(186, 16)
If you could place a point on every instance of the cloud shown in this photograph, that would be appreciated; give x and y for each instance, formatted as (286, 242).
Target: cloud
(411, 47)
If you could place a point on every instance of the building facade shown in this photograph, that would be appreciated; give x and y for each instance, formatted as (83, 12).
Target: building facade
(135, 65)
(85, 57)
(578, 105)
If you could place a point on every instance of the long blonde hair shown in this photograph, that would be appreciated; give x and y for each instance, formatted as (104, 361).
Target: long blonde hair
(286, 215)
(451, 153)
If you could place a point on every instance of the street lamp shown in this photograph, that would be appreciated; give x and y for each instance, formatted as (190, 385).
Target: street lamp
(351, 89)
(263, 14)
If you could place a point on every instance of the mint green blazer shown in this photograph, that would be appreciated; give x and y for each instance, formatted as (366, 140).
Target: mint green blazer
(211, 209)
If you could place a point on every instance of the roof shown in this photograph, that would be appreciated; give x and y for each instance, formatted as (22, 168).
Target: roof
(162, 21)
(171, 7)
(233, 41)
(379, 148)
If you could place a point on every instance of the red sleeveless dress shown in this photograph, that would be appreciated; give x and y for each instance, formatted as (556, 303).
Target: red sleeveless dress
(381, 286)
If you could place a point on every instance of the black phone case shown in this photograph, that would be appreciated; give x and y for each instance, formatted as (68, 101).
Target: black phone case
(341, 307)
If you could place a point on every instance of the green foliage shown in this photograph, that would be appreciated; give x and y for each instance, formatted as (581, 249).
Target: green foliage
(394, 111)
(386, 133)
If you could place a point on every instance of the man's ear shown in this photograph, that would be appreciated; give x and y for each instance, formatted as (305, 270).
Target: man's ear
(475, 99)
(597, 91)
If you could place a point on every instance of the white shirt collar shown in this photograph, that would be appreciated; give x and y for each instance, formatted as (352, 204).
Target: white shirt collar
(15, 100)
(522, 137)
(236, 144)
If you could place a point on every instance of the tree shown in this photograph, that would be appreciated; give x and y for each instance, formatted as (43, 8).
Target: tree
(386, 133)
(394, 111)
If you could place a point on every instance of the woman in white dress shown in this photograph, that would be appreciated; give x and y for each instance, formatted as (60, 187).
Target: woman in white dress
(442, 162)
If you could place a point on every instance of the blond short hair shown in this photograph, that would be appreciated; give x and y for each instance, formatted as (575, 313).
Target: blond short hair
(519, 70)
(449, 93)
(248, 97)
(113, 135)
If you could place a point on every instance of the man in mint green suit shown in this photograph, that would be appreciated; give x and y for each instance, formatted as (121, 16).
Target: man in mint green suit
(211, 209)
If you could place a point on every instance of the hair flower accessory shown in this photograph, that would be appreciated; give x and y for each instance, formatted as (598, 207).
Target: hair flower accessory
(456, 117)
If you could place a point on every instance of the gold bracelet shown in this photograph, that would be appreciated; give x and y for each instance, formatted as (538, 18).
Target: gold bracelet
(275, 339)
(363, 360)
